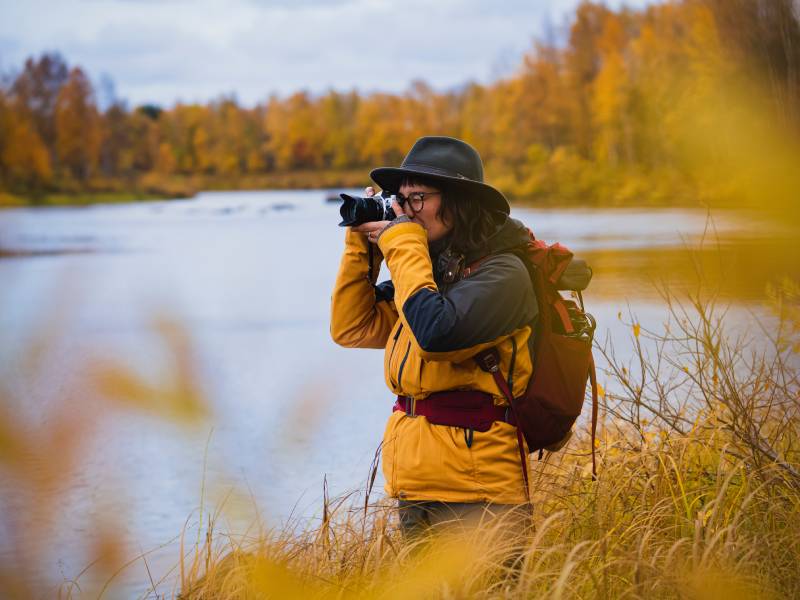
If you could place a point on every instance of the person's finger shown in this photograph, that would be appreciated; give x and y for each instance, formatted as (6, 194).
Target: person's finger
(398, 210)
(369, 191)
(369, 226)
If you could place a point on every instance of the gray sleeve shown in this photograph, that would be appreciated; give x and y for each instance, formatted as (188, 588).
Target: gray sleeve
(494, 301)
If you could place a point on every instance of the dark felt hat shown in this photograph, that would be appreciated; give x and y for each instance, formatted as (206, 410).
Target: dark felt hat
(453, 162)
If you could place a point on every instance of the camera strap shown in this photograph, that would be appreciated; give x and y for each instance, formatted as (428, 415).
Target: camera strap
(370, 259)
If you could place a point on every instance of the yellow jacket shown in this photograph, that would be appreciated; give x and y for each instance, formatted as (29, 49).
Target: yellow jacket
(430, 331)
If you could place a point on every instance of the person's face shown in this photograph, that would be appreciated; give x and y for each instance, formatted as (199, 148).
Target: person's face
(426, 215)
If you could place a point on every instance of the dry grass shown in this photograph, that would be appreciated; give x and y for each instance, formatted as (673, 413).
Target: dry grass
(675, 518)
(698, 494)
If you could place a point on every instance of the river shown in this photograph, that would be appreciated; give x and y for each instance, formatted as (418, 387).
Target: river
(247, 277)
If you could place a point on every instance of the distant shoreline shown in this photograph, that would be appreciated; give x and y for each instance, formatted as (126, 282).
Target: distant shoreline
(187, 186)
(76, 200)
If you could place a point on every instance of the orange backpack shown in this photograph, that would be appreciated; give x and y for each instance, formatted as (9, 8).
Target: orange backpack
(563, 359)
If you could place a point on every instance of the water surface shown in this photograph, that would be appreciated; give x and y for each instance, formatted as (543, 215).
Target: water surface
(249, 275)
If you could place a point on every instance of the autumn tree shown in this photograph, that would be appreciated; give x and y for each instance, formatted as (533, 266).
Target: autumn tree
(626, 95)
(78, 134)
(24, 158)
(229, 123)
(144, 138)
(382, 130)
(337, 113)
(475, 119)
(612, 95)
(583, 62)
(35, 93)
(295, 137)
(115, 156)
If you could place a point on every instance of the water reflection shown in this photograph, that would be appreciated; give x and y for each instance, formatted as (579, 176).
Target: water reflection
(738, 270)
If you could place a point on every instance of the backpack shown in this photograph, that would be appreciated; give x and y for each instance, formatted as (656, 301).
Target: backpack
(562, 361)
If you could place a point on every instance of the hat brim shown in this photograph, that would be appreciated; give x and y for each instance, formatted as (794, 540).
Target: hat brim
(389, 178)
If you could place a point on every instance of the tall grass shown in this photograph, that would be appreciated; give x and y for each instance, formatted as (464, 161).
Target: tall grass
(698, 494)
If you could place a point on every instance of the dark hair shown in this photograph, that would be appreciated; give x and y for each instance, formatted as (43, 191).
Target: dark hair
(471, 223)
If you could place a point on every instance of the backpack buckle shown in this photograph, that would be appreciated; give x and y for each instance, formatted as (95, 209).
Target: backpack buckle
(489, 362)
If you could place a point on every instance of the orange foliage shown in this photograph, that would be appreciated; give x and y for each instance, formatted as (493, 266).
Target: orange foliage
(636, 105)
(77, 127)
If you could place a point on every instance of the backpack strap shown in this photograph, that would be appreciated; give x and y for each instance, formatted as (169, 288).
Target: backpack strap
(472, 267)
(489, 360)
(593, 381)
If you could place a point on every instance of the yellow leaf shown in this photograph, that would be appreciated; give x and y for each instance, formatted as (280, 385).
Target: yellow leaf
(636, 329)
(601, 391)
(596, 443)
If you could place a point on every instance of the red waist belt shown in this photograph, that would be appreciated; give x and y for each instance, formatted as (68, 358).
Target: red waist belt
(467, 409)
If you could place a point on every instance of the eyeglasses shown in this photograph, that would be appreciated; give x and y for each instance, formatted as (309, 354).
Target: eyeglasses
(416, 200)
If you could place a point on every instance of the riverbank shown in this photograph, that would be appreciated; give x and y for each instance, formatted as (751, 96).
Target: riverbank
(152, 187)
(549, 190)
(83, 199)
(557, 184)
(102, 191)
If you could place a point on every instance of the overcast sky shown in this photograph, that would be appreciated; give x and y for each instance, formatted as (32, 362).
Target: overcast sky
(194, 50)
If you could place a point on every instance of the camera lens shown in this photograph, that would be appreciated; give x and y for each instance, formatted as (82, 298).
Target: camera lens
(356, 210)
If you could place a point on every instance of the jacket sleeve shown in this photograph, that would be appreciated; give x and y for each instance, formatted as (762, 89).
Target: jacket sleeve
(475, 314)
(361, 314)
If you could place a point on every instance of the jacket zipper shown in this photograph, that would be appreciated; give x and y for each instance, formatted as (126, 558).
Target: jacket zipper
(402, 365)
(394, 345)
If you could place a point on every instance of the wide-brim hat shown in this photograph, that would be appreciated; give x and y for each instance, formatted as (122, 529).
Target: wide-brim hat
(449, 160)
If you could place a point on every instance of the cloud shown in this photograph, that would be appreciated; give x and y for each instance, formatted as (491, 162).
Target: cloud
(196, 50)
(301, 4)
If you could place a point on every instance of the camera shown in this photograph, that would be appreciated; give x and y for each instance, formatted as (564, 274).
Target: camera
(356, 210)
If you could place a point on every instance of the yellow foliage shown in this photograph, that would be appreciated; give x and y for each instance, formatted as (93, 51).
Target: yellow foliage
(177, 397)
(680, 102)
(77, 127)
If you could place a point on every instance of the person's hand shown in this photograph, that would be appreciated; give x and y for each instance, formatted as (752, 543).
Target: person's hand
(373, 229)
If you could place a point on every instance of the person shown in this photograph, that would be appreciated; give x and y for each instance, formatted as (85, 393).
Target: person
(458, 286)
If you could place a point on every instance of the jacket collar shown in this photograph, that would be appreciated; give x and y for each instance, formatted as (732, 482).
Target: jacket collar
(509, 235)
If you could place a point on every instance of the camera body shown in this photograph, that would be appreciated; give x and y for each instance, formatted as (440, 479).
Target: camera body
(356, 210)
